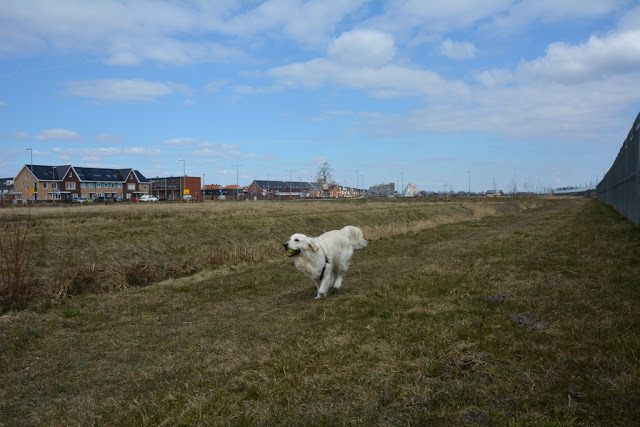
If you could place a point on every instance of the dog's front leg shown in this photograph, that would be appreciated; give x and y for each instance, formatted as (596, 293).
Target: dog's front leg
(325, 284)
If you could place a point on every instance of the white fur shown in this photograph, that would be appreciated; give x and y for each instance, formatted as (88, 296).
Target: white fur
(331, 252)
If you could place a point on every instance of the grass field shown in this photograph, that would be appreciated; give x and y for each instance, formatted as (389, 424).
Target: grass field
(490, 313)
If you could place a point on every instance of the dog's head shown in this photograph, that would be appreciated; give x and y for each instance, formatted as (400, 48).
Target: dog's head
(298, 243)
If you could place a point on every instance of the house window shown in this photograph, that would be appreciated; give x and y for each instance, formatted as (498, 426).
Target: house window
(54, 185)
(71, 185)
(44, 185)
(131, 186)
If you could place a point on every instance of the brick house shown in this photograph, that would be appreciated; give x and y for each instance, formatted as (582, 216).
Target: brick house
(64, 182)
(173, 187)
(212, 192)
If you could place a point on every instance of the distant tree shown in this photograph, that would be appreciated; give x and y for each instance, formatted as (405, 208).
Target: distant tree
(324, 173)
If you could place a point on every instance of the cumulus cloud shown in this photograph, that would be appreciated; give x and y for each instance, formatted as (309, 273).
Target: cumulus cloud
(458, 50)
(130, 33)
(597, 57)
(525, 111)
(519, 15)
(58, 135)
(383, 82)
(367, 48)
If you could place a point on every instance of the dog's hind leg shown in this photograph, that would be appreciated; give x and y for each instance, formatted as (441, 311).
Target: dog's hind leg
(338, 282)
(327, 280)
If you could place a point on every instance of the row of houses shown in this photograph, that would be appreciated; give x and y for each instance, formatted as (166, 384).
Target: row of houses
(302, 189)
(65, 182)
(68, 182)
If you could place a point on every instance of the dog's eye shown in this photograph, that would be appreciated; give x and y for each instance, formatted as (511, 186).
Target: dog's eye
(297, 240)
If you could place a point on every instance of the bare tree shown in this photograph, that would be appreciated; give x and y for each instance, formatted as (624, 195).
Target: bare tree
(324, 173)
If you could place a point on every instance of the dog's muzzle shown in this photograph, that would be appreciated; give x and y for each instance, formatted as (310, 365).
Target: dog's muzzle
(291, 252)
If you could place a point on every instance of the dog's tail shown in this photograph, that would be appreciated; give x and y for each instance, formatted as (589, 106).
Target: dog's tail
(355, 236)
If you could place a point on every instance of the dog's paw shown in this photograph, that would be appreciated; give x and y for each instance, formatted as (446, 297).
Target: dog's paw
(321, 296)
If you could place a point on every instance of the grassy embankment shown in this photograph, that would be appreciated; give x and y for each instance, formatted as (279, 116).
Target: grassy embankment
(529, 317)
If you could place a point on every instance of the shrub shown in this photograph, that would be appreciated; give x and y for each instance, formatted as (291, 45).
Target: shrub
(17, 246)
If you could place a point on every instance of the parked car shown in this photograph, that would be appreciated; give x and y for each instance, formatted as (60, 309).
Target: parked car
(107, 199)
(78, 200)
(147, 198)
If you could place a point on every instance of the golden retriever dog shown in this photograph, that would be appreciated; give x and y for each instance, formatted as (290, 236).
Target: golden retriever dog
(325, 259)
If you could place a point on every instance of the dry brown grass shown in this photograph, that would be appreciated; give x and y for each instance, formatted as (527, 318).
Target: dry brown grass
(89, 249)
(528, 318)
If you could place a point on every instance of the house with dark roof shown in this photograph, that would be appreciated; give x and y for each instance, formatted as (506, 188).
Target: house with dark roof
(6, 188)
(297, 189)
(65, 182)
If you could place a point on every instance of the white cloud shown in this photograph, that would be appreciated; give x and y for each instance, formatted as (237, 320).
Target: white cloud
(523, 13)
(58, 135)
(130, 33)
(495, 77)
(142, 151)
(386, 81)
(362, 48)
(597, 57)
(458, 50)
(630, 20)
(536, 110)
(3, 104)
(305, 22)
(137, 90)
(415, 18)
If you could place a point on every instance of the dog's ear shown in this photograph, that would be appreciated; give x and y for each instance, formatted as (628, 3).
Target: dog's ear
(313, 245)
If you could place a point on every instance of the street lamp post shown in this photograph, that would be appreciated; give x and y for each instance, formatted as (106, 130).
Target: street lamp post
(182, 181)
(202, 191)
(290, 193)
(469, 172)
(237, 185)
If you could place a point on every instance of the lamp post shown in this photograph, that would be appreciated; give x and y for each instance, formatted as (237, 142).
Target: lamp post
(290, 170)
(182, 181)
(469, 193)
(237, 185)
(202, 195)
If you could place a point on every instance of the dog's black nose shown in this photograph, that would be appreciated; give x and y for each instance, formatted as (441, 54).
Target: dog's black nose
(286, 245)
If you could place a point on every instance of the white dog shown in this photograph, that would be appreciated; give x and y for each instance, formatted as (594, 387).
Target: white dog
(325, 259)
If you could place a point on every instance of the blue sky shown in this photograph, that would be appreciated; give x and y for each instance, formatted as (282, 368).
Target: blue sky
(534, 92)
